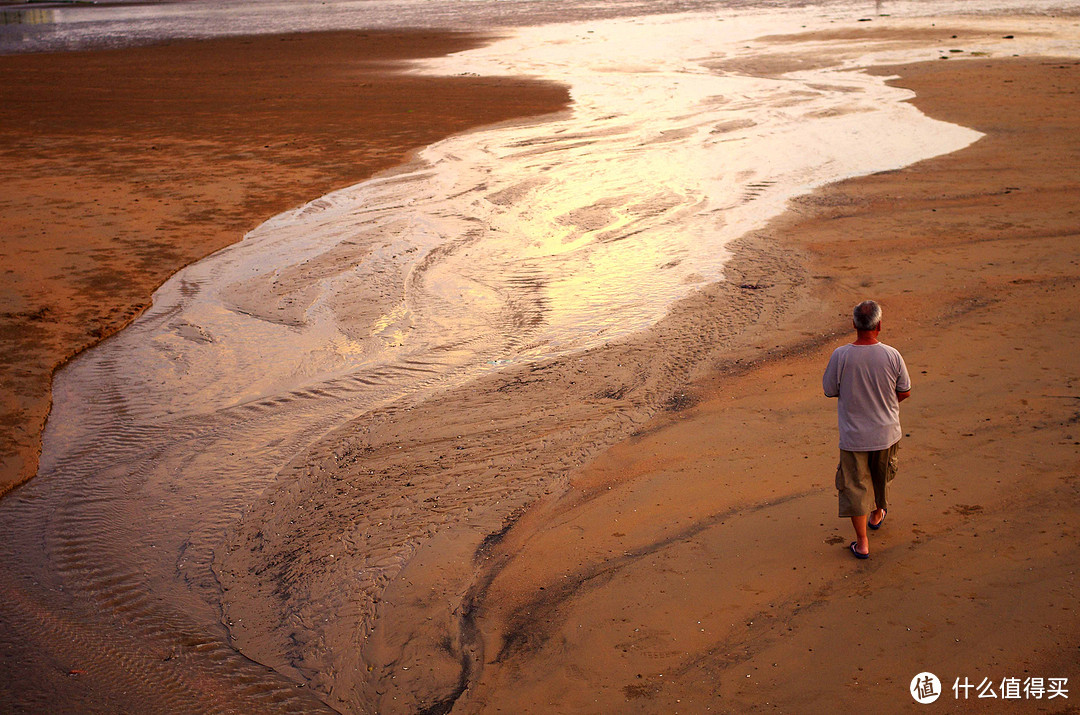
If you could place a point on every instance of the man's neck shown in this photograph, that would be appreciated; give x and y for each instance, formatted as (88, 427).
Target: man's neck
(866, 337)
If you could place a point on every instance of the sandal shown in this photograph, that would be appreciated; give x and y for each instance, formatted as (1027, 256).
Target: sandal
(877, 526)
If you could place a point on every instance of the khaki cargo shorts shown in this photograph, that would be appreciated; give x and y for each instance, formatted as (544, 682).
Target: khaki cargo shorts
(862, 479)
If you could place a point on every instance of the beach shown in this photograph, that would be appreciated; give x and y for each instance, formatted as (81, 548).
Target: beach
(681, 573)
(122, 166)
(699, 565)
(152, 167)
(647, 523)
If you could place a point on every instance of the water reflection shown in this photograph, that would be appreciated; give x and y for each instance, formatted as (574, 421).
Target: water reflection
(27, 16)
(497, 246)
(126, 23)
(120, 23)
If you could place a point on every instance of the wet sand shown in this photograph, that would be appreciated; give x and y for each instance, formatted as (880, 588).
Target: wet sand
(699, 565)
(122, 166)
(702, 548)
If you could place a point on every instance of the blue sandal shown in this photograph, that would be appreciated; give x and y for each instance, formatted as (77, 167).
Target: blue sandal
(877, 526)
(856, 551)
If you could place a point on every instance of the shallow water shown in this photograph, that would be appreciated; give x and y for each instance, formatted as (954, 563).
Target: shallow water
(50, 27)
(64, 26)
(498, 247)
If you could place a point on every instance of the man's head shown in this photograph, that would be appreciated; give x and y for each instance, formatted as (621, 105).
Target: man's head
(867, 316)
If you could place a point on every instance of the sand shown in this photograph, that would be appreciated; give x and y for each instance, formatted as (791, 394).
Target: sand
(122, 166)
(698, 565)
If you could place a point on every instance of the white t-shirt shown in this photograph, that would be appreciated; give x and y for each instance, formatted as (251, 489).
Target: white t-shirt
(866, 378)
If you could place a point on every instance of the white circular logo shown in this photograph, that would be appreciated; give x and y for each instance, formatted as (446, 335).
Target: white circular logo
(925, 688)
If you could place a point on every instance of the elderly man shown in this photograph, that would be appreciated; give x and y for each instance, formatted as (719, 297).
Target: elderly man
(871, 380)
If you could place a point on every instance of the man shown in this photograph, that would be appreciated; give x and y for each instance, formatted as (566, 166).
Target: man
(871, 380)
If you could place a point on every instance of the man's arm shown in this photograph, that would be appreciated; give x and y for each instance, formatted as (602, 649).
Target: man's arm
(903, 381)
(830, 381)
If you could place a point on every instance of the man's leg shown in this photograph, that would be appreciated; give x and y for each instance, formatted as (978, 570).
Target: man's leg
(882, 470)
(855, 488)
(862, 543)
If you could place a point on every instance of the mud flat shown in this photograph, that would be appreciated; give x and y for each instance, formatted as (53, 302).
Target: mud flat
(123, 166)
(481, 546)
(697, 565)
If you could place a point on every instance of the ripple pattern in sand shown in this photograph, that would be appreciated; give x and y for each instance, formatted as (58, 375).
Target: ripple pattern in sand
(208, 426)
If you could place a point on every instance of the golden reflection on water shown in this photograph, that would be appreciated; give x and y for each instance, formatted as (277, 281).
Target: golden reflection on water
(504, 245)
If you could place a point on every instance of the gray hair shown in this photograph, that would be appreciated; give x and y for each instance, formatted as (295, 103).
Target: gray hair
(867, 315)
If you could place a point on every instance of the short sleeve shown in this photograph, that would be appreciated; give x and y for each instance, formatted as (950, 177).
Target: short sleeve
(903, 380)
(830, 381)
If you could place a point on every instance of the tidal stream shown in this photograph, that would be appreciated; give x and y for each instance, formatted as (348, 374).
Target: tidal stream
(501, 247)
